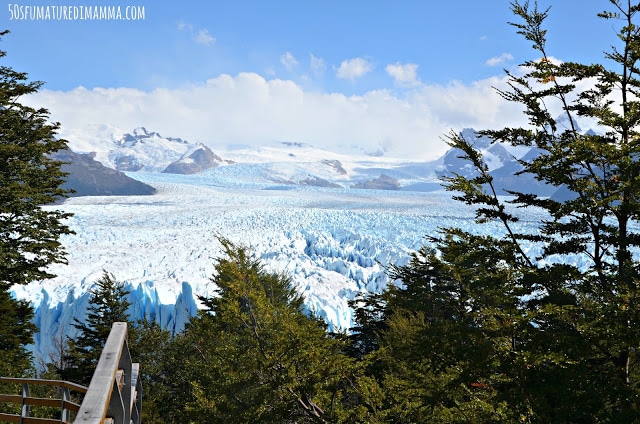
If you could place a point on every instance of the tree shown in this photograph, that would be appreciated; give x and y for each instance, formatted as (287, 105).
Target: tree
(442, 337)
(150, 346)
(107, 304)
(253, 355)
(526, 329)
(29, 232)
(16, 332)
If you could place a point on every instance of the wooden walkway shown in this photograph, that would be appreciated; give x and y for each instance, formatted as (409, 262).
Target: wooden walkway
(114, 395)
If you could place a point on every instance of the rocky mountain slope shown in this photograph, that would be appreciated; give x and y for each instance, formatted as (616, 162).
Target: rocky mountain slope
(88, 177)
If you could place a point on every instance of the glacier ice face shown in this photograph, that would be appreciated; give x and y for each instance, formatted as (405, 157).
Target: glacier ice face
(333, 243)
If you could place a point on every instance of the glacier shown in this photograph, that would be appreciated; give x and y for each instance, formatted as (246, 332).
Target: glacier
(293, 205)
(333, 243)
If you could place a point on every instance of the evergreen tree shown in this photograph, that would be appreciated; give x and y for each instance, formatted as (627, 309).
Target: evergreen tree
(150, 346)
(443, 338)
(253, 355)
(107, 304)
(29, 178)
(16, 332)
(29, 233)
(507, 327)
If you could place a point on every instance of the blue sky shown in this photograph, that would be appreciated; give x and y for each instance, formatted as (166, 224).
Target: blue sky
(421, 57)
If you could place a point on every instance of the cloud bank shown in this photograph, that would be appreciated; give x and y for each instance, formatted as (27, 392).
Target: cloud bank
(253, 110)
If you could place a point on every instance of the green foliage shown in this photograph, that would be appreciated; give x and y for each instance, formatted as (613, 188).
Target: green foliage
(107, 304)
(480, 329)
(29, 179)
(445, 346)
(150, 345)
(16, 332)
(29, 232)
(253, 355)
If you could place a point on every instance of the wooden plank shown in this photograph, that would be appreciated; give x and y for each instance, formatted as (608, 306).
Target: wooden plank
(135, 372)
(33, 420)
(71, 406)
(11, 398)
(112, 391)
(32, 401)
(41, 382)
(53, 403)
(120, 379)
(9, 418)
(94, 406)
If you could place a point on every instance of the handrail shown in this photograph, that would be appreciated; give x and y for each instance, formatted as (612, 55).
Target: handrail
(43, 382)
(114, 394)
(114, 390)
(66, 405)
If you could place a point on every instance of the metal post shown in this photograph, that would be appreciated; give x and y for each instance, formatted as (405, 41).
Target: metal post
(126, 365)
(66, 396)
(136, 398)
(26, 409)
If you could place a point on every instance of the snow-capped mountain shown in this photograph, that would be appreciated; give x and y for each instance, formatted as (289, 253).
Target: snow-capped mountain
(503, 164)
(494, 154)
(145, 151)
(294, 163)
(282, 163)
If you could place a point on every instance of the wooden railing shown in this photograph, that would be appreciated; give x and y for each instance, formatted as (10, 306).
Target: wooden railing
(26, 401)
(114, 395)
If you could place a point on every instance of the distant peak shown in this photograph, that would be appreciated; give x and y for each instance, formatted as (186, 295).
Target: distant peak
(477, 140)
(140, 131)
(469, 131)
(566, 122)
(180, 140)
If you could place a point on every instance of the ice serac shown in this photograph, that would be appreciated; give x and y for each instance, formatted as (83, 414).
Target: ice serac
(171, 314)
(55, 318)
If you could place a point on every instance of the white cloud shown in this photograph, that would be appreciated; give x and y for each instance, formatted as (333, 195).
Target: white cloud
(317, 65)
(494, 61)
(288, 61)
(200, 36)
(250, 109)
(203, 37)
(354, 68)
(404, 75)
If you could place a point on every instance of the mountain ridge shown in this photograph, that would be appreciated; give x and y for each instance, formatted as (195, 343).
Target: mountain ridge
(290, 163)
